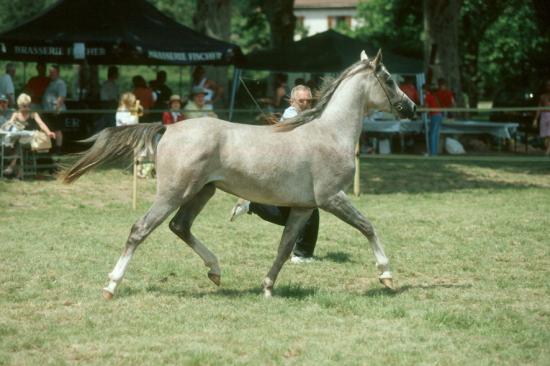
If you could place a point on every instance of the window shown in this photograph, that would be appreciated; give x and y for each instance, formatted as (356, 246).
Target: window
(339, 22)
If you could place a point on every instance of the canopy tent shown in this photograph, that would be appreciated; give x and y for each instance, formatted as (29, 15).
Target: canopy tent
(328, 51)
(112, 32)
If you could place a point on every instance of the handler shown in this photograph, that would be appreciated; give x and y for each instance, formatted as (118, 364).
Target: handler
(300, 100)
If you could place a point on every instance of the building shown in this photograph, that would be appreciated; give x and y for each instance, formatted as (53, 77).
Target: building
(316, 16)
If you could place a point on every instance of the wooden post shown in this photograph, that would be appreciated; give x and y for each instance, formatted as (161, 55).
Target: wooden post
(134, 185)
(357, 177)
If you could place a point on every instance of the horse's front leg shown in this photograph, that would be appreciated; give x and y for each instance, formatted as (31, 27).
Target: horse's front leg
(340, 206)
(297, 219)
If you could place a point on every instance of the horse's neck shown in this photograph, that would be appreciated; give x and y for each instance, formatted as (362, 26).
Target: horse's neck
(343, 115)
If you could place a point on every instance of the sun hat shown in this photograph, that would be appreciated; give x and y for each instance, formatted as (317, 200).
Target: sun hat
(3, 98)
(198, 90)
(175, 98)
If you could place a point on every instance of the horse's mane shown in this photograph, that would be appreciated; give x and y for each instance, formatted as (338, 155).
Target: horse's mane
(325, 94)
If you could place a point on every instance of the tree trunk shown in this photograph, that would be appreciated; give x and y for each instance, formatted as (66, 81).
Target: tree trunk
(441, 20)
(213, 18)
(280, 15)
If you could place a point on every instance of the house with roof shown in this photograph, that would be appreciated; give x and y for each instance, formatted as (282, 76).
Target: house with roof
(316, 16)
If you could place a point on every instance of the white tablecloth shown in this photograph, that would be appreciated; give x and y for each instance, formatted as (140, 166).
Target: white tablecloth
(497, 129)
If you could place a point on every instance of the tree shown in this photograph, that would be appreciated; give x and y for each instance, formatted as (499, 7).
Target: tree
(441, 21)
(213, 18)
(282, 22)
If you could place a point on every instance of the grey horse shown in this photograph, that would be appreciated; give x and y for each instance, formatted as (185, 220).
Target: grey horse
(305, 163)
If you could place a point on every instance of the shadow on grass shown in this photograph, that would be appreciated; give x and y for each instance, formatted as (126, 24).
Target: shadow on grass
(291, 291)
(436, 175)
(338, 257)
(382, 291)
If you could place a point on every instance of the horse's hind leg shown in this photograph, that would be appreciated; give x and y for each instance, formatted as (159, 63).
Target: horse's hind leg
(181, 226)
(158, 212)
(340, 206)
(297, 219)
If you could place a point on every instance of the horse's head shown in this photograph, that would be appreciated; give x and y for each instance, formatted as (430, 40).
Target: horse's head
(384, 93)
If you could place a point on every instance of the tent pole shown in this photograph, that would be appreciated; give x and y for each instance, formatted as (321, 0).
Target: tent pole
(420, 80)
(179, 83)
(234, 87)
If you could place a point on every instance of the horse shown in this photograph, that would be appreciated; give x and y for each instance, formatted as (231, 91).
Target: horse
(314, 163)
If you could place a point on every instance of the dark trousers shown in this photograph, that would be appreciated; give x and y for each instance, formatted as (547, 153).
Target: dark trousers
(307, 239)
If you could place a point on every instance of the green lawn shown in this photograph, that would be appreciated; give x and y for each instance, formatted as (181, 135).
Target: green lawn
(468, 240)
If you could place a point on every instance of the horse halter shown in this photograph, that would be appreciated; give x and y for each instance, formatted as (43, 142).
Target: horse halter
(399, 104)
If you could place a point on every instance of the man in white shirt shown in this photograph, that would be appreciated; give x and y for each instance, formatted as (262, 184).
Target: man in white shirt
(300, 100)
(6, 83)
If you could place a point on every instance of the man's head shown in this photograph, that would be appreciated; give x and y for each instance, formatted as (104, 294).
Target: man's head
(300, 97)
(10, 69)
(161, 77)
(198, 94)
(54, 72)
(41, 68)
(112, 73)
(442, 83)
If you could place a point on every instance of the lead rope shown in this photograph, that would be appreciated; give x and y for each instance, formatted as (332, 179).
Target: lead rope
(252, 97)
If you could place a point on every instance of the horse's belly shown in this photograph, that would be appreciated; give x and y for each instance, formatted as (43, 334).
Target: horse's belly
(290, 193)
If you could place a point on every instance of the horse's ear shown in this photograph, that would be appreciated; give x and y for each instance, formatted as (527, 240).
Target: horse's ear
(378, 59)
(364, 56)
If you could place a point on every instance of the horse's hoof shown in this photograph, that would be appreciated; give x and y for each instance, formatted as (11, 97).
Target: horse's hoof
(216, 278)
(388, 283)
(107, 295)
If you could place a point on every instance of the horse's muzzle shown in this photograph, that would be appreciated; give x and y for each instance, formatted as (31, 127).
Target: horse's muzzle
(405, 110)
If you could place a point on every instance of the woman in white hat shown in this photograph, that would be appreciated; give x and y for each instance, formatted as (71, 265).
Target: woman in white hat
(174, 114)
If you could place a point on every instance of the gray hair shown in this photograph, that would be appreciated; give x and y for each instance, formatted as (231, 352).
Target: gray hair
(298, 88)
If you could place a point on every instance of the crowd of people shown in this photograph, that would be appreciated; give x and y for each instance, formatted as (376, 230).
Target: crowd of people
(47, 92)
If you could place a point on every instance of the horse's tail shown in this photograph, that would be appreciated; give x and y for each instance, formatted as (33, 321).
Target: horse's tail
(114, 143)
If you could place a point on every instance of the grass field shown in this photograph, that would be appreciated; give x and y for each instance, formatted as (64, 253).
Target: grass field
(468, 240)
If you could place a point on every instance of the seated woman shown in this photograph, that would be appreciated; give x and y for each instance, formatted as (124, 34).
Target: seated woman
(24, 120)
(129, 110)
(174, 114)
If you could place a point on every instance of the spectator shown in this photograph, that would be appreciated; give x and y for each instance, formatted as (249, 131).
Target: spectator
(280, 90)
(436, 118)
(144, 94)
(161, 90)
(444, 96)
(6, 83)
(300, 100)
(197, 106)
(36, 86)
(129, 110)
(544, 121)
(212, 91)
(409, 89)
(174, 114)
(24, 119)
(109, 88)
(53, 102)
(5, 113)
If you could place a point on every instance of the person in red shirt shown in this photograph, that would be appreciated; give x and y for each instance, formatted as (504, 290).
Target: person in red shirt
(409, 89)
(174, 114)
(444, 95)
(436, 117)
(144, 94)
(36, 86)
